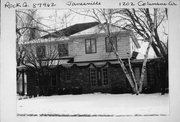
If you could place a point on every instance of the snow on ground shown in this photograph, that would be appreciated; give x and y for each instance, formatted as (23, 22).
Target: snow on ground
(95, 105)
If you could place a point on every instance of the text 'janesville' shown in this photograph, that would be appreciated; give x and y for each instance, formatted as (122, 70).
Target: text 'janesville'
(72, 3)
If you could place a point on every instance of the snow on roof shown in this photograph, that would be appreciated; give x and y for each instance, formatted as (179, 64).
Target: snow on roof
(97, 30)
(71, 30)
(40, 40)
(80, 30)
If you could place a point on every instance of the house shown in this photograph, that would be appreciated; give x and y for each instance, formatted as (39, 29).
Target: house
(80, 59)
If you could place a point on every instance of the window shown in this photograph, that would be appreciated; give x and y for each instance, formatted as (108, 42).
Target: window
(67, 74)
(90, 45)
(105, 76)
(41, 51)
(93, 77)
(109, 42)
(63, 50)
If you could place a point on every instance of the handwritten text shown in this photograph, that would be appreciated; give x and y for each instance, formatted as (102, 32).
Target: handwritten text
(71, 3)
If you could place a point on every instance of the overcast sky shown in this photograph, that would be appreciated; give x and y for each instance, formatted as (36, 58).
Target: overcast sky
(60, 18)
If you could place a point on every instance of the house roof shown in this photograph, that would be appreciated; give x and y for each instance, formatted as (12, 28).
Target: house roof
(71, 30)
(79, 30)
(97, 29)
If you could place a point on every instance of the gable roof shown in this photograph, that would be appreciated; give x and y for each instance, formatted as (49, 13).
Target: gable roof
(71, 30)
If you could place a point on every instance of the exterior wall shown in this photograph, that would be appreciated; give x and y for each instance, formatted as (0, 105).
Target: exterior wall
(132, 46)
(80, 80)
(118, 81)
(154, 77)
(51, 48)
(123, 47)
(31, 83)
(76, 48)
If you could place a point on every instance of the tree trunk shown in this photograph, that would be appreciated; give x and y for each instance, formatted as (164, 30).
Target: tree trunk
(128, 76)
(156, 37)
(144, 67)
(155, 49)
(132, 74)
(126, 73)
(152, 26)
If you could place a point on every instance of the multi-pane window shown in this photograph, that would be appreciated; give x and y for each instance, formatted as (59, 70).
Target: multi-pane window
(99, 77)
(110, 43)
(41, 51)
(93, 77)
(105, 76)
(90, 45)
(67, 74)
(63, 50)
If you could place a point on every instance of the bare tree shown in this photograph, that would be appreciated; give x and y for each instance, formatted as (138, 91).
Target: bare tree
(33, 51)
(106, 18)
(28, 31)
(24, 21)
(144, 23)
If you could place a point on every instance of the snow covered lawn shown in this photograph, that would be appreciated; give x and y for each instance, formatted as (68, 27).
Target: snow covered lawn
(95, 105)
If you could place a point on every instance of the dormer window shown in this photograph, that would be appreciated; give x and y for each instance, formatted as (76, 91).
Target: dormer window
(63, 50)
(110, 42)
(90, 45)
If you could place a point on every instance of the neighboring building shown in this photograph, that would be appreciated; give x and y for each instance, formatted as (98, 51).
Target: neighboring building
(80, 59)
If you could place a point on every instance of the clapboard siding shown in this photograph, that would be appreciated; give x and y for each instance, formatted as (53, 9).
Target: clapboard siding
(78, 49)
(51, 48)
(132, 46)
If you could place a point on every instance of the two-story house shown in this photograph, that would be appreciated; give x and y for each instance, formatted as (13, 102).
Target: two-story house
(80, 59)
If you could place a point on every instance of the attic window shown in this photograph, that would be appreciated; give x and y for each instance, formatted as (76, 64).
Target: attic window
(90, 45)
(110, 43)
(63, 50)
